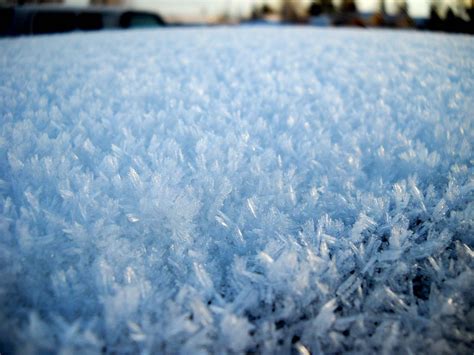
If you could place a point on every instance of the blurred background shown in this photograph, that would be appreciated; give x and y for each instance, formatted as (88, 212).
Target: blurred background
(20, 17)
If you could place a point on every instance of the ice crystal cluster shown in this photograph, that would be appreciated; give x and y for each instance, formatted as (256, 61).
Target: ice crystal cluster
(268, 190)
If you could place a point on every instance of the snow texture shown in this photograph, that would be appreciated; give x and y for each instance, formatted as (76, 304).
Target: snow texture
(269, 190)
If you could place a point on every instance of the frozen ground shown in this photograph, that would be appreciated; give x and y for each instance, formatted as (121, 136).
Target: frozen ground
(233, 190)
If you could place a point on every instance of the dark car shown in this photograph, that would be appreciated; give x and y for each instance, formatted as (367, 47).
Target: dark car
(26, 20)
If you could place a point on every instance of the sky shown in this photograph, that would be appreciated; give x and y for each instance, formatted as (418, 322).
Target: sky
(209, 8)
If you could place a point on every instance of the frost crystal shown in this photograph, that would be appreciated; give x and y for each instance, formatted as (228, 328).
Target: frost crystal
(268, 190)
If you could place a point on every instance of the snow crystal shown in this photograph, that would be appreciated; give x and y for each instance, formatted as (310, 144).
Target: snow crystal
(268, 190)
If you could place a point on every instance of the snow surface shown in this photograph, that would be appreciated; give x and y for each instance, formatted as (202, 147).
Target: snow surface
(233, 190)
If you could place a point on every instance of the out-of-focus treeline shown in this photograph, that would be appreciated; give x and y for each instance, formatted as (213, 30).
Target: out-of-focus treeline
(456, 17)
(326, 13)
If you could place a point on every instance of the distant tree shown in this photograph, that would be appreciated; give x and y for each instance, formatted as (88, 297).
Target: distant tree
(348, 6)
(403, 19)
(470, 14)
(348, 15)
(434, 23)
(290, 10)
(328, 6)
(315, 9)
(259, 12)
(267, 10)
(321, 7)
(378, 19)
(382, 8)
(450, 21)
